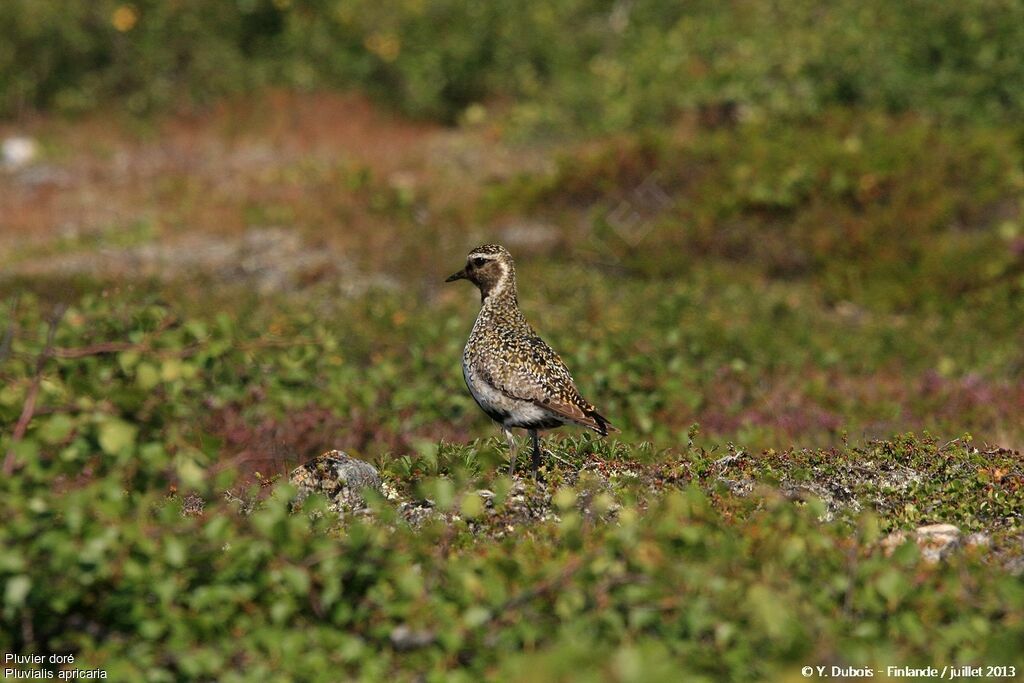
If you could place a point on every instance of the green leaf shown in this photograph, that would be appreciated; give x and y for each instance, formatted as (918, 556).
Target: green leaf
(146, 376)
(191, 474)
(564, 498)
(16, 590)
(476, 616)
(11, 396)
(280, 610)
(26, 450)
(56, 428)
(170, 370)
(892, 585)
(116, 436)
(127, 360)
(472, 506)
(444, 493)
(175, 552)
(197, 329)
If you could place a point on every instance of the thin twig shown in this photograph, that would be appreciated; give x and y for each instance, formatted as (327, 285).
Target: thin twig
(97, 349)
(555, 456)
(102, 348)
(33, 392)
(571, 567)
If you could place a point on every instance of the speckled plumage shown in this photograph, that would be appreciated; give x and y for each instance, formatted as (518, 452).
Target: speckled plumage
(514, 376)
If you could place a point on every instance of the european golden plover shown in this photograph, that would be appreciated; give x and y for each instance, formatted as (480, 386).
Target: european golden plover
(516, 378)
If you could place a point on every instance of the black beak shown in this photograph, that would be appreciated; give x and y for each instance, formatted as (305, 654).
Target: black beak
(461, 275)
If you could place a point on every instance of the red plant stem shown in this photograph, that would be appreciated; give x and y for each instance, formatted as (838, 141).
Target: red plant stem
(30, 399)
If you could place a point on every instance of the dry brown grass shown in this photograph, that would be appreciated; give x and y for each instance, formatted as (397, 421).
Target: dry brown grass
(344, 174)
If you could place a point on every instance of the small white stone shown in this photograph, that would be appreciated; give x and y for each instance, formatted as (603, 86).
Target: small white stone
(18, 151)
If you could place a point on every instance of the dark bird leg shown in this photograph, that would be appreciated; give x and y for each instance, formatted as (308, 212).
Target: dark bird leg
(536, 453)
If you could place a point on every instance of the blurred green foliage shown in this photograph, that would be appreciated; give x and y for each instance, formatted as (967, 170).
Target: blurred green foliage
(97, 559)
(694, 581)
(603, 65)
(890, 213)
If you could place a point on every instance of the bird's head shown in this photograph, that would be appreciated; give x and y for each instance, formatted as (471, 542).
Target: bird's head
(490, 268)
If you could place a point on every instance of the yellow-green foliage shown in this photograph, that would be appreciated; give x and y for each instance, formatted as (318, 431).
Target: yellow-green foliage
(602, 64)
(97, 559)
(694, 581)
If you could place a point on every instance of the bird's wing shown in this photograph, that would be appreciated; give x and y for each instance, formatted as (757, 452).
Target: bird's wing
(532, 371)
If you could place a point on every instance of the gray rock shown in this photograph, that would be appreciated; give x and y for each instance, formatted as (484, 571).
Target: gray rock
(339, 477)
(417, 512)
(979, 539)
(936, 541)
(1015, 565)
(404, 639)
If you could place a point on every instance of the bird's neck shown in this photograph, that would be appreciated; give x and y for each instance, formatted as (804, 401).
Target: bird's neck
(496, 297)
(502, 291)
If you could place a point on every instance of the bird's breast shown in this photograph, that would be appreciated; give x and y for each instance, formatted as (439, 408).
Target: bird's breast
(497, 405)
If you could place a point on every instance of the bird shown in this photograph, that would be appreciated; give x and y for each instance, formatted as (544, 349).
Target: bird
(513, 375)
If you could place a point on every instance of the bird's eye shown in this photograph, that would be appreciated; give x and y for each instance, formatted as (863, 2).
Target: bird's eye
(479, 261)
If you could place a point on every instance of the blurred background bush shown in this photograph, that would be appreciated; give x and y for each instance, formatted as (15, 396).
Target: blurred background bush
(601, 65)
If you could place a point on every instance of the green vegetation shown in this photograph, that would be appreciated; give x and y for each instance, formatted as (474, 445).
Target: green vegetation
(693, 581)
(664, 569)
(605, 65)
(781, 245)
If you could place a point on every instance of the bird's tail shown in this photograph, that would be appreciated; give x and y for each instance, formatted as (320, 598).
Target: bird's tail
(602, 425)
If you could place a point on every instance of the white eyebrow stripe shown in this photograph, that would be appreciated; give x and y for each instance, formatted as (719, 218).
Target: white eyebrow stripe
(477, 254)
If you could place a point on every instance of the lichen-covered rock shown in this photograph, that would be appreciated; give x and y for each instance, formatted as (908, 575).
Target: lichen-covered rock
(339, 477)
(417, 512)
(936, 541)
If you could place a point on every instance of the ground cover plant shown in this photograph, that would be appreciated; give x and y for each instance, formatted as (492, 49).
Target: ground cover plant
(793, 280)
